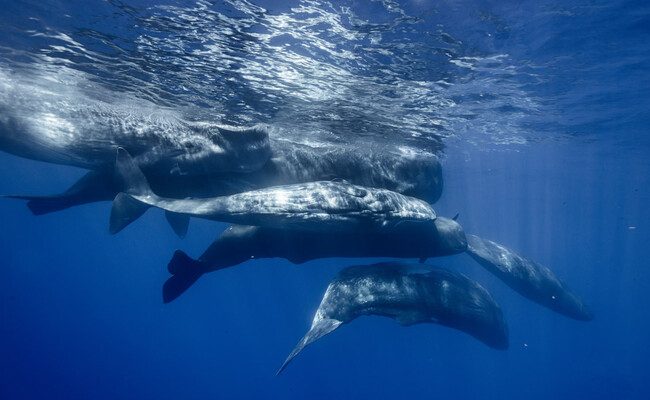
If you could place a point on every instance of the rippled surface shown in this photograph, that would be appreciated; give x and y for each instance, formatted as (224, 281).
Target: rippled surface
(415, 72)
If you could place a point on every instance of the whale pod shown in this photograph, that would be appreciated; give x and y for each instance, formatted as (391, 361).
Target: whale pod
(531, 280)
(409, 295)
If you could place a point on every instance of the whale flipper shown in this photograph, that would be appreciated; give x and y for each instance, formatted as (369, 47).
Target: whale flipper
(178, 222)
(185, 271)
(319, 328)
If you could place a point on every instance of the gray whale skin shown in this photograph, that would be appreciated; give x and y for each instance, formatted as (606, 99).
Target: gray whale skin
(238, 244)
(416, 174)
(318, 206)
(527, 278)
(410, 296)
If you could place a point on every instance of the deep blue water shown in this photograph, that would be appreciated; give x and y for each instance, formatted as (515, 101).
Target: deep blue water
(540, 110)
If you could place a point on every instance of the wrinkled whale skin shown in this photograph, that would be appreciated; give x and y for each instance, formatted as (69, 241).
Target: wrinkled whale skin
(409, 295)
(239, 244)
(417, 175)
(61, 116)
(527, 278)
(320, 206)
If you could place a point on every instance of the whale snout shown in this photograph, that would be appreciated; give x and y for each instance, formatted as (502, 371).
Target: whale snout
(573, 307)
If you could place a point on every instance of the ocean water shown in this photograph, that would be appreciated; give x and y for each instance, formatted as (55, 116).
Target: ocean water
(538, 110)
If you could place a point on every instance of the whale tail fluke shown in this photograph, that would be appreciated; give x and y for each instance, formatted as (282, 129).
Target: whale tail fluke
(92, 187)
(319, 328)
(39, 205)
(129, 205)
(125, 210)
(130, 175)
(185, 271)
(44, 205)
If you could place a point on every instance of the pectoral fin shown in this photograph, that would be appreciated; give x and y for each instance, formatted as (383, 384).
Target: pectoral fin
(318, 329)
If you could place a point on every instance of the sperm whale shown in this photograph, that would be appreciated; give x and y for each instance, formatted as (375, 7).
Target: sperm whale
(324, 205)
(48, 116)
(410, 296)
(238, 244)
(527, 278)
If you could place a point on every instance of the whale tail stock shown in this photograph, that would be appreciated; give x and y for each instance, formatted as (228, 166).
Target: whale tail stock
(319, 328)
(137, 198)
(185, 271)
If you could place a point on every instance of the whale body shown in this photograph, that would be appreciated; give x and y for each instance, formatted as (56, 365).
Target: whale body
(527, 278)
(324, 205)
(406, 294)
(53, 117)
(61, 116)
(238, 244)
(412, 173)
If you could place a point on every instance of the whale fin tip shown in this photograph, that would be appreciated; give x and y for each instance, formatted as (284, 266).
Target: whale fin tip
(125, 210)
(127, 171)
(318, 329)
(185, 271)
(179, 223)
